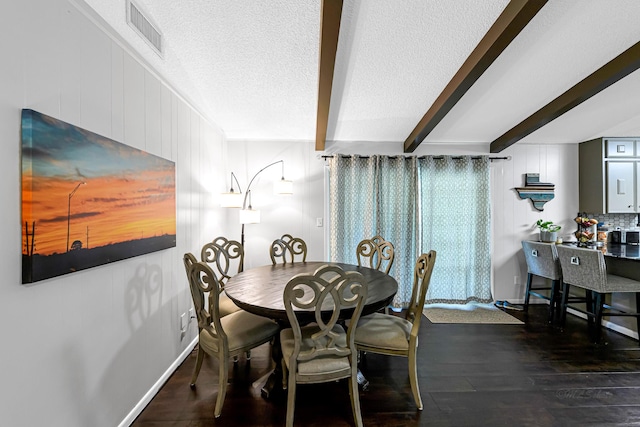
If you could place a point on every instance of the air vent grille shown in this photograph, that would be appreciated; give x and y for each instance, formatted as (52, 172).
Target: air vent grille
(144, 27)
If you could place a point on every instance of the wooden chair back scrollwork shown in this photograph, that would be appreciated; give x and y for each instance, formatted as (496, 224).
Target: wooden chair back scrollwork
(225, 257)
(287, 248)
(376, 253)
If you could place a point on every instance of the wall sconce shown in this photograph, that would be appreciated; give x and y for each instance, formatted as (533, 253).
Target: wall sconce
(248, 215)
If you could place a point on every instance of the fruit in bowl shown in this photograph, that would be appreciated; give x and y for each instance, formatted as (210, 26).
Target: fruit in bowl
(584, 236)
(586, 222)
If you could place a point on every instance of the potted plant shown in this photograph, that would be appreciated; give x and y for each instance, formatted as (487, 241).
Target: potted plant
(548, 230)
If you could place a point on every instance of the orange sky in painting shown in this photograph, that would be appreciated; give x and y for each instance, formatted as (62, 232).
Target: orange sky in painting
(112, 208)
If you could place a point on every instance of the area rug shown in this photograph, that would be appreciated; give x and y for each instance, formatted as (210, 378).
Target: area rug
(468, 313)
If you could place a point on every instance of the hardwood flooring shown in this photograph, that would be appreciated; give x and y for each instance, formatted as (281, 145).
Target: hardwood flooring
(470, 375)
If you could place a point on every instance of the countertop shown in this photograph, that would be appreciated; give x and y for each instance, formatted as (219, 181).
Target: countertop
(616, 250)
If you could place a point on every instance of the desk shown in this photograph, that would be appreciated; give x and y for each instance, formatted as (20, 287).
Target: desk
(260, 290)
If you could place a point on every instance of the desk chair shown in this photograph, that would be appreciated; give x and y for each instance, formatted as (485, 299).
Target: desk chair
(396, 336)
(542, 261)
(322, 351)
(586, 268)
(226, 258)
(221, 337)
(287, 247)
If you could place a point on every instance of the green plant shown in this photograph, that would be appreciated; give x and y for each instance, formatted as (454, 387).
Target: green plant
(547, 226)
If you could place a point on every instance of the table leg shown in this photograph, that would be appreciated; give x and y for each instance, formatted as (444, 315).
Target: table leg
(362, 381)
(274, 382)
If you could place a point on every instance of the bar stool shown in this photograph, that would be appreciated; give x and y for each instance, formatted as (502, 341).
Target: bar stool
(586, 268)
(542, 261)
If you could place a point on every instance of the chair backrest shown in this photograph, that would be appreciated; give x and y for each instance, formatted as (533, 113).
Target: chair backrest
(225, 257)
(421, 278)
(287, 247)
(376, 253)
(542, 259)
(326, 292)
(205, 291)
(583, 267)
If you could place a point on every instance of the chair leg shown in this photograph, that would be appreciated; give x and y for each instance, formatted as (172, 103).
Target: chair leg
(638, 314)
(413, 377)
(563, 303)
(590, 310)
(223, 374)
(527, 291)
(355, 396)
(553, 299)
(291, 397)
(598, 308)
(196, 369)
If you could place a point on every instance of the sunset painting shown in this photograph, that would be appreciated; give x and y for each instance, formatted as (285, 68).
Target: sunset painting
(88, 200)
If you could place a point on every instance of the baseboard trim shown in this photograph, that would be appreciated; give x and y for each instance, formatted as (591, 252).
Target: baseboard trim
(137, 410)
(608, 324)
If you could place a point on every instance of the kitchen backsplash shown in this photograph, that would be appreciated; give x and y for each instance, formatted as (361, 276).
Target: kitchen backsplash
(624, 221)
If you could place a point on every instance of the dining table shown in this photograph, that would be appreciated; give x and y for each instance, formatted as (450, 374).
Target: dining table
(260, 291)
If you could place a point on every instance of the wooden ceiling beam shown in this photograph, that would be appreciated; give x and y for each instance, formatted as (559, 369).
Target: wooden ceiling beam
(511, 21)
(619, 67)
(329, 31)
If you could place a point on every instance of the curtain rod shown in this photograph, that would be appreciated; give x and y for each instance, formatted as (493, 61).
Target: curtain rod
(420, 157)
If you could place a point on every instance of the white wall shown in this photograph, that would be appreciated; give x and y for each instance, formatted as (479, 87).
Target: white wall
(83, 349)
(294, 214)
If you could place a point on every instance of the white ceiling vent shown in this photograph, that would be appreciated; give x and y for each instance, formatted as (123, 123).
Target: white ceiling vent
(143, 25)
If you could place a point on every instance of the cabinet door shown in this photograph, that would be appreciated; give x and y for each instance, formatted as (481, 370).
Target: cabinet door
(621, 187)
(620, 147)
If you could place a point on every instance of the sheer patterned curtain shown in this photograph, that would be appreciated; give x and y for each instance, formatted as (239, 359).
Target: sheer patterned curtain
(416, 204)
(371, 196)
(455, 213)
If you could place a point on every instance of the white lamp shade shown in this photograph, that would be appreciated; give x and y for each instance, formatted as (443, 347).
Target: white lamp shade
(249, 216)
(231, 200)
(283, 186)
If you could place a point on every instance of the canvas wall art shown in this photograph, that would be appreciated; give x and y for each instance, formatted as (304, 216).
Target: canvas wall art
(88, 200)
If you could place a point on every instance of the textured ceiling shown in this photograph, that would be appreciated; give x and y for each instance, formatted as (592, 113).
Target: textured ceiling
(251, 67)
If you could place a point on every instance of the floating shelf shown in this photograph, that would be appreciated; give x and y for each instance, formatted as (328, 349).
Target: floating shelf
(538, 195)
(538, 192)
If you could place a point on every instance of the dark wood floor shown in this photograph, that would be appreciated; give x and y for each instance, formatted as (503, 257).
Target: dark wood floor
(470, 375)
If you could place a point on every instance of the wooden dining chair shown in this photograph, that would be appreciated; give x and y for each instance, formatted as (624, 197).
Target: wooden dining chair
(226, 258)
(376, 253)
(398, 336)
(287, 248)
(322, 351)
(221, 337)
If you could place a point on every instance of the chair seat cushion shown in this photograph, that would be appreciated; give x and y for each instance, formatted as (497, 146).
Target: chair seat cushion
(227, 306)
(383, 331)
(244, 331)
(621, 284)
(319, 365)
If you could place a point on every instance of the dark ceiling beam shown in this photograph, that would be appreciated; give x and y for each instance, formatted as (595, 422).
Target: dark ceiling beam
(619, 67)
(511, 21)
(329, 31)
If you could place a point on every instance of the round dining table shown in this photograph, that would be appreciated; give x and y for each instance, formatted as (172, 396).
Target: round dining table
(260, 291)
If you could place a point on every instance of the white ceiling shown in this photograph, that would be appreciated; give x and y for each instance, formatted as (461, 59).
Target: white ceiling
(251, 66)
